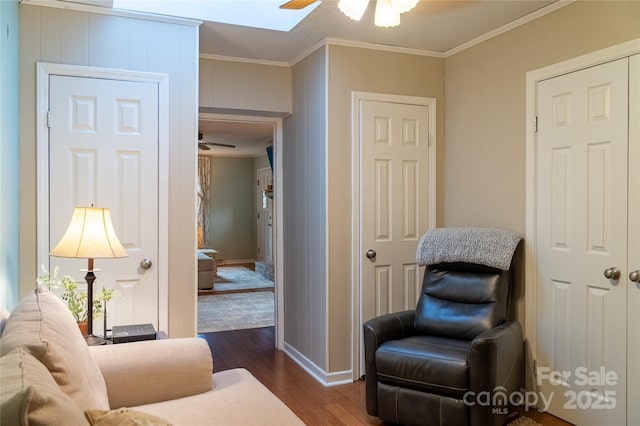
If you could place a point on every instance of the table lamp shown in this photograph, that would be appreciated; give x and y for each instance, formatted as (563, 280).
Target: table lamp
(90, 235)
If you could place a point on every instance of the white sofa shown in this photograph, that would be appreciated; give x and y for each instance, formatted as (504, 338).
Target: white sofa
(49, 376)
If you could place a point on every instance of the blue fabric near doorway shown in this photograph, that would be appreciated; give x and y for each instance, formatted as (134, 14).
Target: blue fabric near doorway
(270, 155)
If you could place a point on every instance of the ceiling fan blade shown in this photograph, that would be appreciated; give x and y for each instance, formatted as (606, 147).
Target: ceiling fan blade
(202, 144)
(220, 144)
(297, 4)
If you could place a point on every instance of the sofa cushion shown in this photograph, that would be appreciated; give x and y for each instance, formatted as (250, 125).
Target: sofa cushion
(238, 399)
(30, 396)
(44, 327)
(205, 263)
(425, 363)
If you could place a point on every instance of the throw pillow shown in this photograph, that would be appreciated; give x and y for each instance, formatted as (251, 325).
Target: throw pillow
(30, 396)
(44, 326)
(123, 417)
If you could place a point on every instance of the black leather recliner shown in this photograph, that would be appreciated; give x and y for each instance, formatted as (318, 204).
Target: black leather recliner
(454, 360)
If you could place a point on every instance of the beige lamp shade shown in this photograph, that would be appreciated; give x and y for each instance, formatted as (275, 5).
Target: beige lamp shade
(90, 235)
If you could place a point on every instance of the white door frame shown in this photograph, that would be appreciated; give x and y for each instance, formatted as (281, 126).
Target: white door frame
(44, 70)
(278, 247)
(533, 77)
(356, 253)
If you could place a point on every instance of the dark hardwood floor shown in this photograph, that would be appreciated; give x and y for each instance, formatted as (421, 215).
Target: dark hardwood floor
(315, 404)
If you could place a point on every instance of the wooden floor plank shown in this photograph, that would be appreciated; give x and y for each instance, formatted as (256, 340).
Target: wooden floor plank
(314, 403)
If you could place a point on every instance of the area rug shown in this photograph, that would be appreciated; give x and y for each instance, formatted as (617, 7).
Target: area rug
(231, 279)
(235, 311)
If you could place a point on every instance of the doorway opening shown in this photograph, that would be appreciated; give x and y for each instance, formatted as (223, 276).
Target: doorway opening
(238, 223)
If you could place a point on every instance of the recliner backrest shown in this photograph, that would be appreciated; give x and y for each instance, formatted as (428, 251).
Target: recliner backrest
(462, 300)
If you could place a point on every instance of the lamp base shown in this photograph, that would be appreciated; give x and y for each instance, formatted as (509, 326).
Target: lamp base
(94, 340)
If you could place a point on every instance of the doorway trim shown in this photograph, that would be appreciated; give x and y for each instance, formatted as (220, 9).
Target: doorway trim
(533, 77)
(44, 71)
(278, 247)
(356, 250)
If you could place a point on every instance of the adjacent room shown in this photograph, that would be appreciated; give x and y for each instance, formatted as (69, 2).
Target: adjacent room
(235, 222)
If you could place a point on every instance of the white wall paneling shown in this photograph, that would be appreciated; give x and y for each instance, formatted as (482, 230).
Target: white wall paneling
(91, 38)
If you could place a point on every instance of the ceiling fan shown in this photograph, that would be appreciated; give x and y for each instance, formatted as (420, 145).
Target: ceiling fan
(297, 4)
(204, 145)
(387, 11)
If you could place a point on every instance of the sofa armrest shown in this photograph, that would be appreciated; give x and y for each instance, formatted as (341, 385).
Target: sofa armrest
(496, 364)
(154, 370)
(376, 331)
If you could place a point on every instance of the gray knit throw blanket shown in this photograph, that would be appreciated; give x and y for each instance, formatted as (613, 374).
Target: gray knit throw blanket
(484, 246)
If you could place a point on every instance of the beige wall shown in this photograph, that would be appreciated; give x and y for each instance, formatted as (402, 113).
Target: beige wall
(314, 326)
(228, 85)
(304, 216)
(484, 150)
(96, 40)
(356, 69)
(232, 209)
(260, 162)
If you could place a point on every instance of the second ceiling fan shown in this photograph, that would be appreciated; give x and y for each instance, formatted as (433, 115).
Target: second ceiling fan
(204, 145)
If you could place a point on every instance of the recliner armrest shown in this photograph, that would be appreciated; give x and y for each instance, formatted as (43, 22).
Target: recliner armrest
(392, 326)
(154, 370)
(376, 331)
(496, 360)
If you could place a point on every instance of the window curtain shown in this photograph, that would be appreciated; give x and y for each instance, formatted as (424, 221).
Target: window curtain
(203, 185)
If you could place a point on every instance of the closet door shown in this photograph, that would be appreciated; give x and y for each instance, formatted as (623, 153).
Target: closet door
(103, 140)
(633, 287)
(581, 244)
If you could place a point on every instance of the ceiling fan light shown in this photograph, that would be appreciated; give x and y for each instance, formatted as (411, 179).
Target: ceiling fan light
(386, 15)
(353, 9)
(403, 6)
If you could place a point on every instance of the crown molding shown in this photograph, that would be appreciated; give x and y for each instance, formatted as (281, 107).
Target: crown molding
(363, 45)
(510, 26)
(383, 47)
(308, 51)
(59, 4)
(244, 60)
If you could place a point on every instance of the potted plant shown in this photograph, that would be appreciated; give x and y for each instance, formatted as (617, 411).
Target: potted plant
(75, 299)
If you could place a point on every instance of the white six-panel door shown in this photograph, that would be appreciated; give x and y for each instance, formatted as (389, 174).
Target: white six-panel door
(633, 289)
(581, 215)
(394, 206)
(264, 206)
(104, 151)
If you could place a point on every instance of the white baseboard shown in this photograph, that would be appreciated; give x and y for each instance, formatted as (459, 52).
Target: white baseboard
(326, 379)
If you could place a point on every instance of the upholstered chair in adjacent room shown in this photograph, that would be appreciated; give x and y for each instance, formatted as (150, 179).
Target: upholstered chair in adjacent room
(429, 366)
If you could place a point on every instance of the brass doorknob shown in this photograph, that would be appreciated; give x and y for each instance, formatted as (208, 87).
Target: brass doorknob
(635, 276)
(371, 254)
(612, 273)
